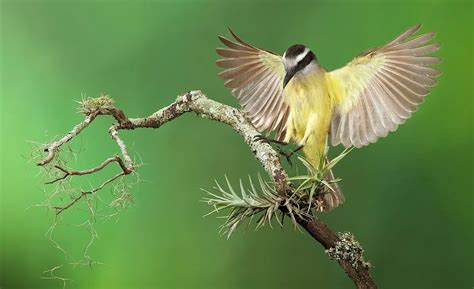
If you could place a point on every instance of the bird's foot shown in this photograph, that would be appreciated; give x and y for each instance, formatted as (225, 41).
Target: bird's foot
(279, 149)
(288, 154)
(263, 138)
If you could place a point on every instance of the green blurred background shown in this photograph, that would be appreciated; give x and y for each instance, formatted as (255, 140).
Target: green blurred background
(409, 197)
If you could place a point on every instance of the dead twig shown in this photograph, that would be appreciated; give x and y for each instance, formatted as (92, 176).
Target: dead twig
(59, 210)
(68, 173)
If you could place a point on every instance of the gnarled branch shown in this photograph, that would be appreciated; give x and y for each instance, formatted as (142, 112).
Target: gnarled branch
(195, 101)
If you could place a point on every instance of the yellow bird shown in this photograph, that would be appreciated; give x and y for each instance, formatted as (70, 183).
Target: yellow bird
(304, 103)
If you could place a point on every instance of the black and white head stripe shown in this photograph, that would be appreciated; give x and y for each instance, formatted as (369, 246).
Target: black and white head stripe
(294, 51)
(297, 57)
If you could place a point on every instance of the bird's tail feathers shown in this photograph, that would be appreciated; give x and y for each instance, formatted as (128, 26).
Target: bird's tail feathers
(332, 196)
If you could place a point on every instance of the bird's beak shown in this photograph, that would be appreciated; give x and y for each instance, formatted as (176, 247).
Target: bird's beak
(288, 77)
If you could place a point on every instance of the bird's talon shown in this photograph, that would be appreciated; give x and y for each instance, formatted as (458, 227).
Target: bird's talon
(269, 140)
(287, 155)
(261, 138)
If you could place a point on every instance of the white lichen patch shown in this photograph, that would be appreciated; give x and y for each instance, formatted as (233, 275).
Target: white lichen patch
(348, 249)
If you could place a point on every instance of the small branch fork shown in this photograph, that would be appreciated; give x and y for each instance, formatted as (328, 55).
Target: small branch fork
(196, 101)
(68, 173)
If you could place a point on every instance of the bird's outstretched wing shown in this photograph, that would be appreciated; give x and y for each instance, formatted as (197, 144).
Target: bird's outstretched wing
(255, 77)
(380, 88)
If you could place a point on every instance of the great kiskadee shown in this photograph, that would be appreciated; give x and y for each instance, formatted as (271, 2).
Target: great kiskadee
(304, 103)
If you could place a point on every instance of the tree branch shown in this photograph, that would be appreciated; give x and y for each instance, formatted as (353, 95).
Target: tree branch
(91, 170)
(347, 252)
(54, 146)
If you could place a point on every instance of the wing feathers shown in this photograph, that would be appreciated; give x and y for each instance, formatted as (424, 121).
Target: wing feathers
(413, 43)
(402, 110)
(413, 87)
(416, 60)
(233, 62)
(405, 35)
(255, 77)
(255, 108)
(418, 51)
(255, 88)
(243, 75)
(231, 53)
(382, 87)
(234, 72)
(416, 77)
(264, 106)
(236, 46)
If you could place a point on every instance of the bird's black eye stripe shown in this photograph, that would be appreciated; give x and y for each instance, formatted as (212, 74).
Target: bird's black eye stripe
(305, 61)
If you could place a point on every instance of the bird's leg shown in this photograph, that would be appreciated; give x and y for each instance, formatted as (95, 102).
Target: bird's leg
(269, 140)
(281, 151)
(289, 154)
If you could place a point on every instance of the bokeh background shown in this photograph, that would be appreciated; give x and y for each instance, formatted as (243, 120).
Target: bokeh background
(409, 197)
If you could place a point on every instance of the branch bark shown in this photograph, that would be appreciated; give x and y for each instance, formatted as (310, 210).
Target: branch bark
(196, 101)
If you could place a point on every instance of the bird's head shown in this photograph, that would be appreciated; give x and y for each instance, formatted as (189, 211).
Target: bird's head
(298, 59)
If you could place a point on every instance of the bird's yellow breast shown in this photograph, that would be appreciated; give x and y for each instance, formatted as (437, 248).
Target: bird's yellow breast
(310, 100)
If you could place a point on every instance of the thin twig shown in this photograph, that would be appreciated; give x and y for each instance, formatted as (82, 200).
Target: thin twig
(54, 146)
(59, 210)
(126, 166)
(68, 173)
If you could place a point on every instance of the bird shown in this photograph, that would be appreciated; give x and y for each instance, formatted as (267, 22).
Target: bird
(304, 103)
